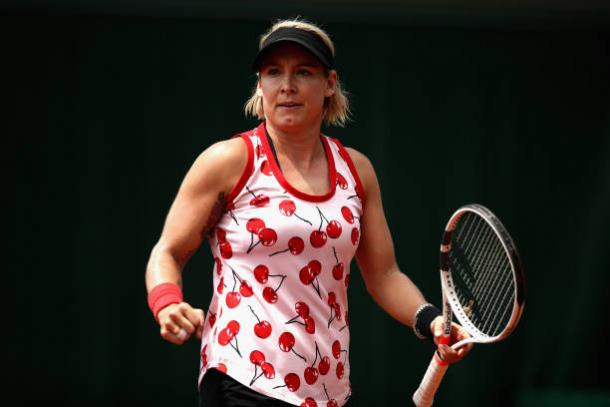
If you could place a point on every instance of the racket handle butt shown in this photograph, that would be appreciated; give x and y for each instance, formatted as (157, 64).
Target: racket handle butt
(424, 395)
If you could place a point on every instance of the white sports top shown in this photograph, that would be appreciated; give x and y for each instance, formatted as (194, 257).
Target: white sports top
(277, 321)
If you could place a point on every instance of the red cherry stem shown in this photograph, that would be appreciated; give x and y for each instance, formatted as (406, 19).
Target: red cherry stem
(322, 218)
(317, 288)
(290, 321)
(304, 220)
(278, 287)
(252, 246)
(233, 216)
(316, 359)
(332, 316)
(282, 385)
(234, 279)
(252, 193)
(279, 251)
(255, 377)
(322, 215)
(295, 352)
(353, 196)
(250, 306)
(236, 347)
(343, 327)
(335, 253)
(324, 385)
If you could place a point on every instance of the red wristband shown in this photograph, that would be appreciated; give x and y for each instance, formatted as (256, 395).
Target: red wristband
(163, 295)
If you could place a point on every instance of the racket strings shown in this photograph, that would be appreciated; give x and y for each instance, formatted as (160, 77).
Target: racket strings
(482, 275)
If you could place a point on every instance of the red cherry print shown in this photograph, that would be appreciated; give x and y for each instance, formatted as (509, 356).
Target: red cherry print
(222, 367)
(339, 371)
(311, 375)
(332, 298)
(270, 295)
(245, 289)
(224, 338)
(295, 246)
(221, 235)
(287, 207)
(333, 229)
(347, 214)
(347, 280)
(221, 285)
(218, 265)
(204, 357)
(257, 357)
(317, 238)
(341, 181)
(336, 349)
(292, 381)
(259, 151)
(286, 341)
(267, 236)
(302, 309)
(211, 319)
(337, 309)
(310, 325)
(261, 273)
(258, 200)
(225, 250)
(233, 299)
(331, 402)
(306, 275)
(355, 235)
(262, 329)
(338, 271)
(233, 328)
(266, 168)
(268, 370)
(309, 402)
(324, 365)
(315, 266)
(255, 225)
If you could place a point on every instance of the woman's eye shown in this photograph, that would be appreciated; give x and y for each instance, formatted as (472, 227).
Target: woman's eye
(304, 72)
(273, 71)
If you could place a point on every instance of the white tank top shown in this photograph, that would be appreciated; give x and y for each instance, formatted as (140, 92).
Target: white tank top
(278, 318)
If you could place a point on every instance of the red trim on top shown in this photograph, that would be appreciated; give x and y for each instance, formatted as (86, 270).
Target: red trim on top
(332, 172)
(348, 159)
(241, 183)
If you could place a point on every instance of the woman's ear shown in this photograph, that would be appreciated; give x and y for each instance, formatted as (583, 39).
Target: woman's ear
(331, 83)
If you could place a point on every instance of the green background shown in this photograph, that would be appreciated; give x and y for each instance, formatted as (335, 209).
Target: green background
(106, 112)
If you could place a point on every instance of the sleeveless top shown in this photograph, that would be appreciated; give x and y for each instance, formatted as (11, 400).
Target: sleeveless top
(278, 318)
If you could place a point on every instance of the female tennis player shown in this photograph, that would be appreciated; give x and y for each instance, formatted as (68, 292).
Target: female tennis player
(285, 209)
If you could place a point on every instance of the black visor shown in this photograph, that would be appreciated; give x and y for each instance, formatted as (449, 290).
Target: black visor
(307, 39)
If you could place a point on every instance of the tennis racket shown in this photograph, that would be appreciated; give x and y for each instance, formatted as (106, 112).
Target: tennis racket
(482, 283)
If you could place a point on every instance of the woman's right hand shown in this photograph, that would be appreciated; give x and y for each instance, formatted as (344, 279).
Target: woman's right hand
(178, 322)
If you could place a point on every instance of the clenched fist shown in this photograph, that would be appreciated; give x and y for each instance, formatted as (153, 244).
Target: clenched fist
(179, 322)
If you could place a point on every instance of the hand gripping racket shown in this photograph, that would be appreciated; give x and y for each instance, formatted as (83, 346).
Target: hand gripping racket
(483, 285)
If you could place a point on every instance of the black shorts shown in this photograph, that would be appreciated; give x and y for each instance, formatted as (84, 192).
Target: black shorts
(220, 390)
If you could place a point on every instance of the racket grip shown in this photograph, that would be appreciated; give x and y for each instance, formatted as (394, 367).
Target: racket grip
(424, 395)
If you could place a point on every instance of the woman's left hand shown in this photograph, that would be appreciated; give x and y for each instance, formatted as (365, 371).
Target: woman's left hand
(446, 352)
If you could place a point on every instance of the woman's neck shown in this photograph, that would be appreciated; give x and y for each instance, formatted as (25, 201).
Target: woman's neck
(302, 148)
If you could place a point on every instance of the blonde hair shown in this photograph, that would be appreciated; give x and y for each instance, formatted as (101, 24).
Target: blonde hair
(336, 107)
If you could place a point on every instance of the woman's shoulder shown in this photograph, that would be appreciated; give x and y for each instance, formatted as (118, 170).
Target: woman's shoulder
(222, 163)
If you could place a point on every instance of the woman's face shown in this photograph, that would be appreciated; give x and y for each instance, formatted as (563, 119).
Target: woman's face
(293, 84)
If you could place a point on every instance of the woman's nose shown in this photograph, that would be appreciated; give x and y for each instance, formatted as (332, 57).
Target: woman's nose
(288, 84)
